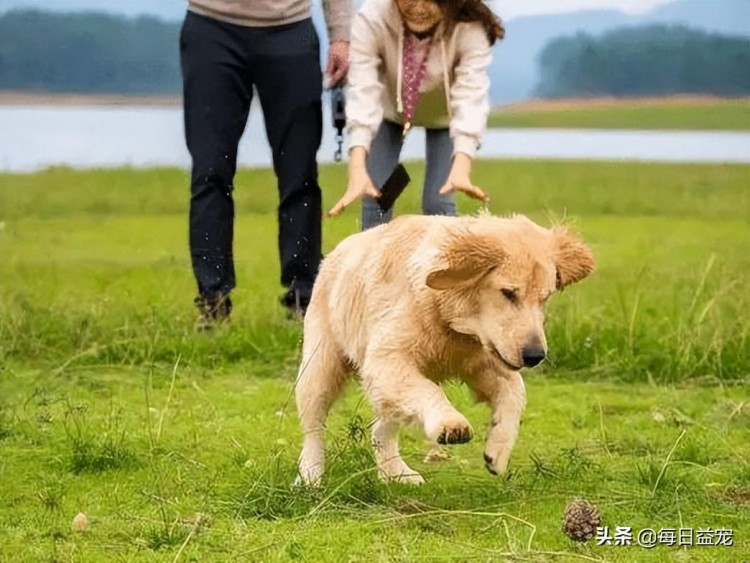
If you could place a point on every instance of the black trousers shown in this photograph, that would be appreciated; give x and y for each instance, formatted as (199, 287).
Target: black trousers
(221, 63)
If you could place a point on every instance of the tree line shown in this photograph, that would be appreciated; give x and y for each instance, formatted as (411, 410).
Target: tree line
(107, 54)
(638, 61)
(88, 53)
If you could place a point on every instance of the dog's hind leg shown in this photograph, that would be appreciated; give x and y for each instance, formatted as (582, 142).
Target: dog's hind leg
(390, 465)
(322, 374)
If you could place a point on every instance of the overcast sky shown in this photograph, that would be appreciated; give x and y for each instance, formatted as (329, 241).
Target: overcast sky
(173, 9)
(514, 8)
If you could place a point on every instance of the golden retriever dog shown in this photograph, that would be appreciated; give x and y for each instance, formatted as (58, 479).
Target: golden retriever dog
(423, 299)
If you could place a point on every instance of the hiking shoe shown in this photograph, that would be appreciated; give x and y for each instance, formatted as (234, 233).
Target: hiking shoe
(296, 303)
(212, 311)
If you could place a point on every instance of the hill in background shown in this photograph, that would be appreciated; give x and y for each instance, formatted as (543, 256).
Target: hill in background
(514, 71)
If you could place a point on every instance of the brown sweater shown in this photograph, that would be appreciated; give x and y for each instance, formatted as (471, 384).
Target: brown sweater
(263, 13)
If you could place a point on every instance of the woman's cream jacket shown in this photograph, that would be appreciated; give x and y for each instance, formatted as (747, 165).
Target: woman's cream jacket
(454, 93)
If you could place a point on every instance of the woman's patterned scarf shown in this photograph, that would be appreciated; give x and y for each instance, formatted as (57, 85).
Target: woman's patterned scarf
(414, 63)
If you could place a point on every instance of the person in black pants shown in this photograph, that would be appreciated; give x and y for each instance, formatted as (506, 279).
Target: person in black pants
(222, 60)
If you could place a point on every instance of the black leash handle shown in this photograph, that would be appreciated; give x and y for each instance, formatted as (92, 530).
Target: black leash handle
(338, 114)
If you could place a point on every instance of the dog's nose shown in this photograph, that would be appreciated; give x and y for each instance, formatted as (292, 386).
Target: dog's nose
(532, 356)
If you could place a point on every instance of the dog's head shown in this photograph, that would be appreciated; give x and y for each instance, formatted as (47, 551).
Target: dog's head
(494, 277)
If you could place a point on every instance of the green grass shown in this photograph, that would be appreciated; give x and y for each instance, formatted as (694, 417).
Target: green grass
(182, 446)
(729, 115)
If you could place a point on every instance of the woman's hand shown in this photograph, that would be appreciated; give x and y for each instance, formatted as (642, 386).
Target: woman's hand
(459, 179)
(359, 184)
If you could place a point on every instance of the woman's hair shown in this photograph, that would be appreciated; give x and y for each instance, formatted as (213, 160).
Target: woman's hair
(456, 11)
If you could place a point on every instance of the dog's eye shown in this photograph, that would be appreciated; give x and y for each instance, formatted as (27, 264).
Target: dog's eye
(510, 294)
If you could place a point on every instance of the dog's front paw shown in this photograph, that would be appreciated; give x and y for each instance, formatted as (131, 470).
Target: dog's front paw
(310, 473)
(497, 462)
(454, 430)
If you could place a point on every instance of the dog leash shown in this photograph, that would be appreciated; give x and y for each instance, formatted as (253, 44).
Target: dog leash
(338, 114)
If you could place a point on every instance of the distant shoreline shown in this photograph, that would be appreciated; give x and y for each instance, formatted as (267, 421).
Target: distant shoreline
(50, 99)
(563, 104)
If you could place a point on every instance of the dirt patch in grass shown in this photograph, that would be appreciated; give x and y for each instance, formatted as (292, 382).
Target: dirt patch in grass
(737, 496)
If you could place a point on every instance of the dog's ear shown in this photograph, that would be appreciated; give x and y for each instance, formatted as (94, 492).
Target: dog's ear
(448, 278)
(465, 260)
(573, 259)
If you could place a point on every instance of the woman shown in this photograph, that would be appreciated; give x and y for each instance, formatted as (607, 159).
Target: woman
(417, 63)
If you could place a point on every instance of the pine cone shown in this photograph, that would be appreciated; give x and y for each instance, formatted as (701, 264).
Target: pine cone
(580, 520)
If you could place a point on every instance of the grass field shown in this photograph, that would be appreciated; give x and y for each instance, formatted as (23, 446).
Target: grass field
(180, 446)
(652, 113)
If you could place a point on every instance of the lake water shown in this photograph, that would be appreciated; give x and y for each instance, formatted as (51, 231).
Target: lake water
(34, 137)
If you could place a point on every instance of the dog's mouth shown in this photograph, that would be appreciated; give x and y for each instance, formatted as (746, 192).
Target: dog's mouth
(495, 352)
